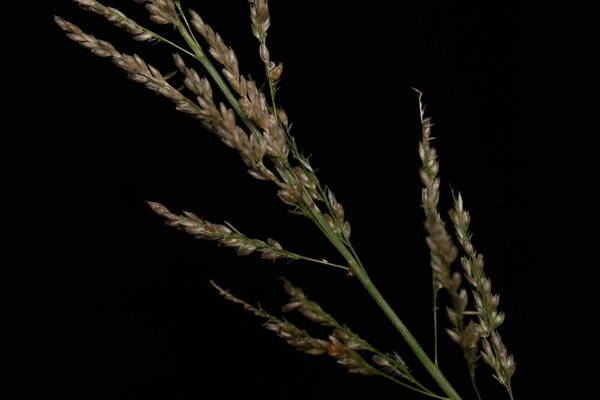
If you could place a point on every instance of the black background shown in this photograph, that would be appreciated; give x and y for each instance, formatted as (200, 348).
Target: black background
(123, 307)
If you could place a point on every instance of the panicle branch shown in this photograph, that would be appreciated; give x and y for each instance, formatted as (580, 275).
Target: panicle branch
(486, 303)
(442, 249)
(261, 21)
(117, 18)
(201, 229)
(302, 341)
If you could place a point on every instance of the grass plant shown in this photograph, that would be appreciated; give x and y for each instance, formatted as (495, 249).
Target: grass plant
(250, 121)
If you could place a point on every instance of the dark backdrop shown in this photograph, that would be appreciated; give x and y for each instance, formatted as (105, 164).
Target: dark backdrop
(123, 307)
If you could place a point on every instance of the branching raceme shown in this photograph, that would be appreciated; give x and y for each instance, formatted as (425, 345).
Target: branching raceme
(264, 134)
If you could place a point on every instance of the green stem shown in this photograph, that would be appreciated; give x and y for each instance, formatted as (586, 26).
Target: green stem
(433, 370)
(362, 276)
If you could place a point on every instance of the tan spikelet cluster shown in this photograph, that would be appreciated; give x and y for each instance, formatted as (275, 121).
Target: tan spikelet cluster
(443, 254)
(162, 12)
(442, 248)
(346, 355)
(430, 194)
(486, 302)
(261, 21)
(298, 185)
(222, 121)
(496, 356)
(335, 346)
(118, 18)
(135, 67)
(201, 229)
(221, 53)
(252, 100)
(336, 220)
(308, 308)
(299, 189)
(392, 364)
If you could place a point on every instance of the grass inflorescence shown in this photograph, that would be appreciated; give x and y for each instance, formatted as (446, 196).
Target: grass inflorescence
(250, 121)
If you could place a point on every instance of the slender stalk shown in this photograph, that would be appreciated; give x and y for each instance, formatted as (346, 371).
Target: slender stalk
(510, 394)
(391, 378)
(185, 20)
(165, 40)
(272, 88)
(314, 260)
(474, 383)
(293, 255)
(411, 379)
(435, 318)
